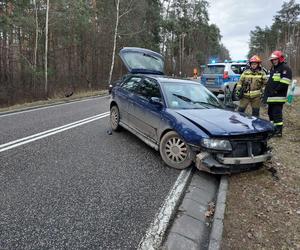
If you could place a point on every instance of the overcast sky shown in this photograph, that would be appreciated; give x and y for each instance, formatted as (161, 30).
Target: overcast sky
(237, 18)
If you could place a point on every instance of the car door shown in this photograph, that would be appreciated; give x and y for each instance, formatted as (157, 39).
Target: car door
(125, 93)
(146, 113)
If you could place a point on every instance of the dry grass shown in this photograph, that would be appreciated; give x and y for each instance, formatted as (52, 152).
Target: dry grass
(57, 98)
(263, 212)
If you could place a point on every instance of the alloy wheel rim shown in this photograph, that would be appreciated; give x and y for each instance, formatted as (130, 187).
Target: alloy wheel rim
(176, 150)
(114, 118)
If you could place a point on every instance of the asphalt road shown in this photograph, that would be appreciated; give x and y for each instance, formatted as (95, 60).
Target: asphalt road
(80, 188)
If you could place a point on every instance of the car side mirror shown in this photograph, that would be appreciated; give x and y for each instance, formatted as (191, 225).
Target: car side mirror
(156, 101)
(221, 97)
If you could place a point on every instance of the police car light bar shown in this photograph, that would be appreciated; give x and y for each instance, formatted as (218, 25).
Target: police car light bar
(235, 61)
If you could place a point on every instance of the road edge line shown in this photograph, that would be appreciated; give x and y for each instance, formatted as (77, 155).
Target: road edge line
(156, 232)
(215, 239)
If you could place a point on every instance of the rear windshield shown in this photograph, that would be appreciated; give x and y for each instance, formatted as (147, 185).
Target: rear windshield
(137, 60)
(238, 68)
(214, 69)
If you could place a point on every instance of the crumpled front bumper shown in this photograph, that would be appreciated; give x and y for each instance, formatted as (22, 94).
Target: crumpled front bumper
(226, 165)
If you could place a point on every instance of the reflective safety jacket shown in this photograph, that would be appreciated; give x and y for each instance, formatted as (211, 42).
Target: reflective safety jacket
(278, 83)
(252, 82)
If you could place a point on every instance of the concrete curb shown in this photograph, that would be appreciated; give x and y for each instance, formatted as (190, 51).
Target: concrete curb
(190, 228)
(51, 104)
(156, 232)
(215, 239)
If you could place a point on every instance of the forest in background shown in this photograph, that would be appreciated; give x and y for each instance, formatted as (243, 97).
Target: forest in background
(283, 34)
(49, 47)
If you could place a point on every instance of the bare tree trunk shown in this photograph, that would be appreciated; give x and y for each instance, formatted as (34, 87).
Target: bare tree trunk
(115, 42)
(35, 46)
(46, 50)
(36, 35)
(164, 35)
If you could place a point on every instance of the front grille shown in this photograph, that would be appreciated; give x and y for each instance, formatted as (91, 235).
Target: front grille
(247, 148)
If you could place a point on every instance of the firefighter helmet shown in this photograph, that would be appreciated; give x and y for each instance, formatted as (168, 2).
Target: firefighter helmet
(255, 59)
(277, 54)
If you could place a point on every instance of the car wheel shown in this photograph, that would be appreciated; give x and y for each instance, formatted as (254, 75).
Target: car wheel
(115, 118)
(174, 151)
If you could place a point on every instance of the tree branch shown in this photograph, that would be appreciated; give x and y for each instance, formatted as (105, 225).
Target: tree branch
(128, 10)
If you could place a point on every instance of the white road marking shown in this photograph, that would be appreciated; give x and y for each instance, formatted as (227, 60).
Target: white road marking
(38, 136)
(16, 112)
(155, 233)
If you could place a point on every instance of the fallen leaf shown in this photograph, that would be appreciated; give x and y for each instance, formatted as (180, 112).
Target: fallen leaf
(250, 235)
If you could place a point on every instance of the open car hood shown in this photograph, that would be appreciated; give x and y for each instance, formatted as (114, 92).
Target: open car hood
(143, 61)
(219, 122)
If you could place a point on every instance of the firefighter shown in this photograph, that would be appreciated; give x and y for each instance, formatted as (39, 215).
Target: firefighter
(249, 87)
(276, 89)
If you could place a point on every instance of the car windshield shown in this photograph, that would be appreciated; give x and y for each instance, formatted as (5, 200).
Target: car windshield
(214, 69)
(189, 96)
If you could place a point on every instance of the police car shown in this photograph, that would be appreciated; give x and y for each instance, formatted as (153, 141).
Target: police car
(216, 76)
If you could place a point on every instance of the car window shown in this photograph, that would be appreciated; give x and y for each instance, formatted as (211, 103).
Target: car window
(132, 84)
(149, 88)
(238, 68)
(214, 69)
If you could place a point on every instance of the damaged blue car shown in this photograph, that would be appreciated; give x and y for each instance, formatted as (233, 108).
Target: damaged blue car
(183, 120)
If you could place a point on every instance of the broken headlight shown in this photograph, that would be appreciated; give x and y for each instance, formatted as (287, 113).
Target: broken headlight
(217, 144)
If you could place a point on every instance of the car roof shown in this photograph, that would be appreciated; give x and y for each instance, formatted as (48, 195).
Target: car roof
(177, 80)
(165, 79)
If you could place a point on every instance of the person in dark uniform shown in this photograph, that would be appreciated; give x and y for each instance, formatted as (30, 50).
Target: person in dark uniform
(276, 89)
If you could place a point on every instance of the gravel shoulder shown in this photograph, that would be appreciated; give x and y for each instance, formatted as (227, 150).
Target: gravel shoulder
(263, 207)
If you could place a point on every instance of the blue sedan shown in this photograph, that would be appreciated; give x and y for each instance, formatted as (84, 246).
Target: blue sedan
(183, 120)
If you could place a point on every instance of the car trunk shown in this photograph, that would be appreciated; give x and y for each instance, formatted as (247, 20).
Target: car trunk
(142, 61)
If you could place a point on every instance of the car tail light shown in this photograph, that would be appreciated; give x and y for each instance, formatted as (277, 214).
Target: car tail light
(225, 75)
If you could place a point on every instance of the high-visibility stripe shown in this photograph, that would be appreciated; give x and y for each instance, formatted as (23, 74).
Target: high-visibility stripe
(253, 93)
(250, 74)
(276, 78)
(277, 99)
(278, 123)
(253, 76)
(285, 80)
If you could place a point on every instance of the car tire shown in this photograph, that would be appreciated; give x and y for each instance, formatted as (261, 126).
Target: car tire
(115, 118)
(174, 151)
